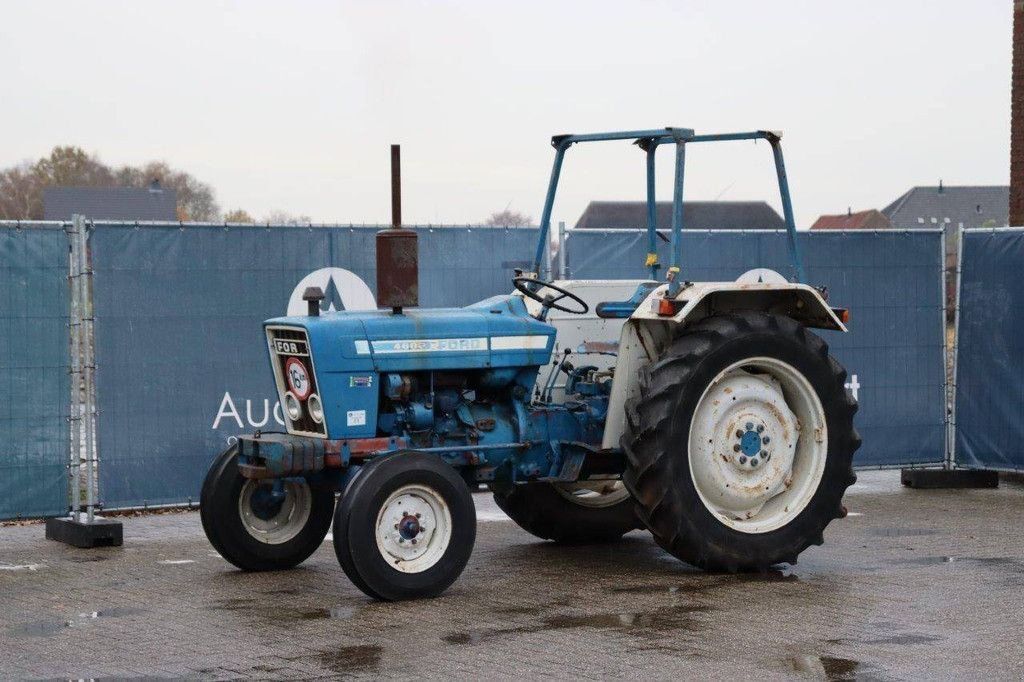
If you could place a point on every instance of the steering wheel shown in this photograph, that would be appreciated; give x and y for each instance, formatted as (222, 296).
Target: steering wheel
(528, 286)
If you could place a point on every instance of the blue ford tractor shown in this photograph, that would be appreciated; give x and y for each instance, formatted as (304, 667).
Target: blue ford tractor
(707, 413)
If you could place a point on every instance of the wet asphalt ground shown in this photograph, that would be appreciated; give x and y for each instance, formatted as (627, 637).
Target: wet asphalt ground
(912, 585)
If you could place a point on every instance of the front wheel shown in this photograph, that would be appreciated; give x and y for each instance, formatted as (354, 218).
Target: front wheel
(405, 527)
(258, 527)
(739, 442)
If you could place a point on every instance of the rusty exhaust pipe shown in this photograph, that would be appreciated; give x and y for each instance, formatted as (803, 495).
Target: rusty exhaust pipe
(397, 251)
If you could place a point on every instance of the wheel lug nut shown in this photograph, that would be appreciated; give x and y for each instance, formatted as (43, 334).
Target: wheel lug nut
(739, 434)
(736, 448)
(413, 541)
(750, 425)
(743, 460)
(764, 453)
(766, 440)
(760, 428)
(753, 462)
(401, 540)
(396, 526)
(418, 515)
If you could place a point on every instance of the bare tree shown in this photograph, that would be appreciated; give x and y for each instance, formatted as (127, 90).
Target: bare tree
(279, 217)
(21, 186)
(72, 167)
(238, 215)
(21, 197)
(509, 218)
(195, 199)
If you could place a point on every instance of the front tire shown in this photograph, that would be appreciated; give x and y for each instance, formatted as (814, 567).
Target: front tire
(405, 527)
(740, 442)
(567, 513)
(255, 529)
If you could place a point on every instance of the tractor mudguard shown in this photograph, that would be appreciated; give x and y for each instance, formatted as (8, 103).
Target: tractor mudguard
(656, 321)
(695, 301)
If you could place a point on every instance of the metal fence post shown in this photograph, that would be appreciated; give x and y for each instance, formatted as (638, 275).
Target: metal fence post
(88, 371)
(75, 327)
(947, 460)
(93, 531)
(951, 432)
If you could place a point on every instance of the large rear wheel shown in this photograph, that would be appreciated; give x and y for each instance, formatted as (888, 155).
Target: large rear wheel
(740, 442)
(586, 511)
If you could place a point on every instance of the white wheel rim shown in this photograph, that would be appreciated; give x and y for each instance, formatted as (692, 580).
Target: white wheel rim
(287, 522)
(414, 528)
(593, 493)
(757, 445)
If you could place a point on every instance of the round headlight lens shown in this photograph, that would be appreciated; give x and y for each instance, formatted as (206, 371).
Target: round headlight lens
(292, 407)
(316, 409)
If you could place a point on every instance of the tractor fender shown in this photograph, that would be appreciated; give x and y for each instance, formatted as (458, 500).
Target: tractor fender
(695, 301)
(648, 333)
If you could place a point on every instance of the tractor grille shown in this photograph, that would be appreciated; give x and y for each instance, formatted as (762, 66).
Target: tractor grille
(294, 373)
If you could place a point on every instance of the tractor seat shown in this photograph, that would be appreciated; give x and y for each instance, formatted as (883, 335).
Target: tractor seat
(612, 310)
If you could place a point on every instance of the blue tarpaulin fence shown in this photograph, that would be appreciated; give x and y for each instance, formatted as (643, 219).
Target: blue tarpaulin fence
(181, 360)
(182, 367)
(891, 281)
(989, 416)
(35, 392)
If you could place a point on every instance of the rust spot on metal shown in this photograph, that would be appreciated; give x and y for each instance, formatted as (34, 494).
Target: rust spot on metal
(598, 347)
(357, 447)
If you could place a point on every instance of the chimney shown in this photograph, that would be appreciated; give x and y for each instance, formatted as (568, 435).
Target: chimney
(154, 186)
(940, 185)
(849, 212)
(1017, 118)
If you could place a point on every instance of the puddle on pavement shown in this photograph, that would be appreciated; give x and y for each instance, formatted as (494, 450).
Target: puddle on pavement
(828, 667)
(335, 612)
(651, 623)
(520, 610)
(40, 629)
(901, 532)
(234, 604)
(906, 639)
(87, 559)
(53, 627)
(119, 612)
(1008, 564)
(351, 659)
(708, 583)
(283, 614)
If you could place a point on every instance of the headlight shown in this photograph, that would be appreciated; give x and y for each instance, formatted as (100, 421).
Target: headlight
(316, 409)
(292, 407)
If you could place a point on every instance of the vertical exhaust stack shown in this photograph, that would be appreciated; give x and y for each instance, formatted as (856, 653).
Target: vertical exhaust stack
(1017, 119)
(397, 252)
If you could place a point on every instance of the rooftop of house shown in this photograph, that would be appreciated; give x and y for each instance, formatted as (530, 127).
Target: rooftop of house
(871, 219)
(971, 206)
(110, 203)
(697, 215)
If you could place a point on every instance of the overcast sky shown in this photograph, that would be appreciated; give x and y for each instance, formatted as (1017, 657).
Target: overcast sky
(292, 105)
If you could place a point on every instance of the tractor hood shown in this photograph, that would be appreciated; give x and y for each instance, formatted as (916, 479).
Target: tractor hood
(496, 332)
